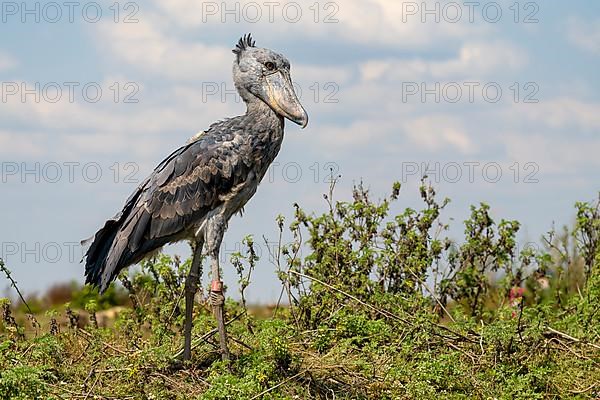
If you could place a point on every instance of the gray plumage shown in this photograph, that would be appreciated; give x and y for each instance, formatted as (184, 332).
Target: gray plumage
(194, 192)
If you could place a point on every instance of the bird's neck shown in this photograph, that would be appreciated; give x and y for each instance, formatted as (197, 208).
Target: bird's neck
(258, 110)
(265, 130)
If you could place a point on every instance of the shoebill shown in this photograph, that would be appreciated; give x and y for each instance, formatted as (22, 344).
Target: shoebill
(194, 192)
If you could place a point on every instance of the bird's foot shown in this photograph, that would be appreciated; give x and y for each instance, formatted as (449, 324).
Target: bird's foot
(217, 298)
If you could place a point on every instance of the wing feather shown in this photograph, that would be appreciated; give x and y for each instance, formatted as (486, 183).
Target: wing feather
(182, 189)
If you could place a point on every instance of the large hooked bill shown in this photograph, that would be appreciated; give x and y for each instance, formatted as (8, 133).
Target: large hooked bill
(283, 99)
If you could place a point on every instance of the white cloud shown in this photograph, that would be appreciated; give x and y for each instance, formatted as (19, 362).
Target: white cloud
(370, 22)
(79, 129)
(439, 132)
(385, 22)
(308, 73)
(560, 113)
(147, 47)
(474, 60)
(585, 34)
(370, 108)
(7, 61)
(554, 155)
(17, 144)
(434, 134)
(356, 135)
(82, 116)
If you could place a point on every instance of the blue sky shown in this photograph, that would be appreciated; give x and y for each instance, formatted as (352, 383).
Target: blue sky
(357, 72)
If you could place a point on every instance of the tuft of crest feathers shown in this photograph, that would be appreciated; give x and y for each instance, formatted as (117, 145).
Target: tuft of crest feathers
(244, 42)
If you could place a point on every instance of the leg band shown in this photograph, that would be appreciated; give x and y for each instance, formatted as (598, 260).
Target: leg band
(216, 293)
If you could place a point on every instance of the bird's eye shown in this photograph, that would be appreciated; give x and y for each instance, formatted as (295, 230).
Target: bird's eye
(270, 66)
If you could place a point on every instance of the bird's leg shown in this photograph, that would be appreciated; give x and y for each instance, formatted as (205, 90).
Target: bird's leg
(191, 286)
(215, 229)
(218, 300)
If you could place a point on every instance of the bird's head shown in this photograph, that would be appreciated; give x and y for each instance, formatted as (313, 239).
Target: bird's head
(265, 75)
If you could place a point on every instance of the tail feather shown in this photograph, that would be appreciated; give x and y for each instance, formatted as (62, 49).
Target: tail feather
(98, 252)
(124, 247)
(121, 242)
(102, 252)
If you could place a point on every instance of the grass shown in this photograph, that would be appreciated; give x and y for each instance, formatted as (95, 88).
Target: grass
(360, 323)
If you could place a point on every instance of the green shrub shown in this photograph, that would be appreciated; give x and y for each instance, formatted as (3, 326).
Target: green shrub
(381, 306)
